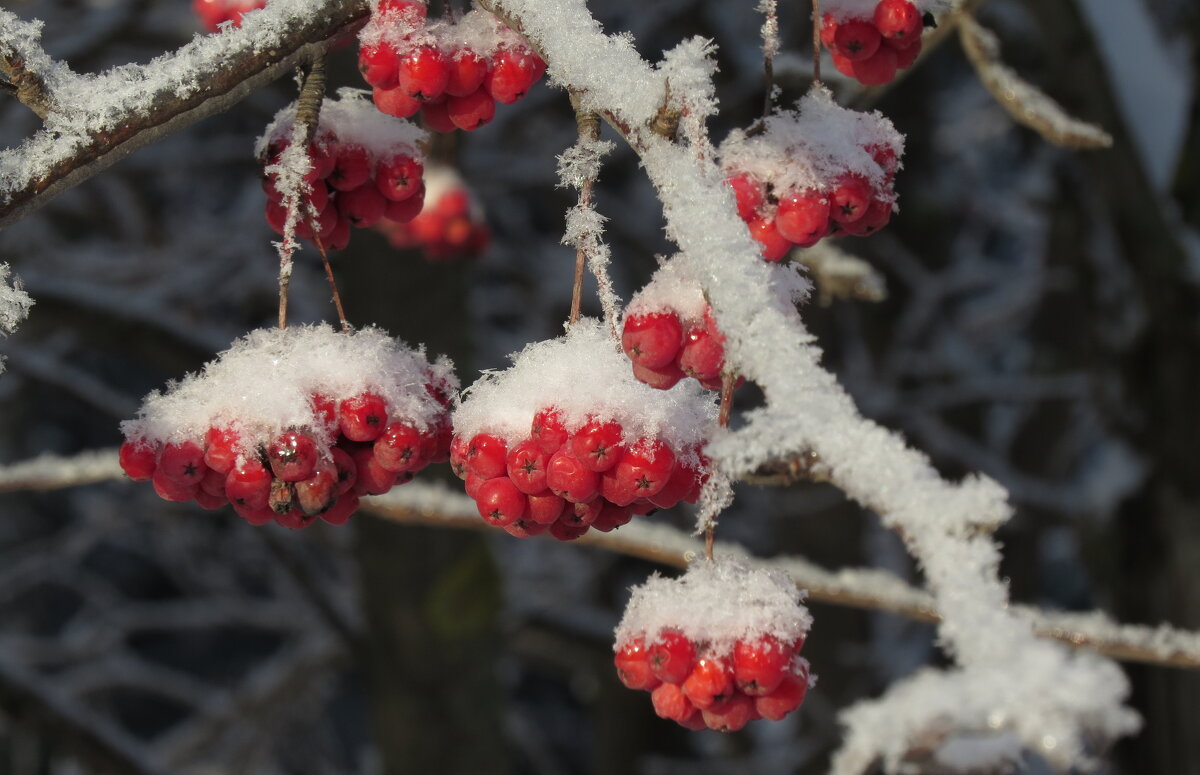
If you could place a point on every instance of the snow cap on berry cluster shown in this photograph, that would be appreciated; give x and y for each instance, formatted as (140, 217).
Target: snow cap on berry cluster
(814, 146)
(841, 10)
(353, 118)
(443, 179)
(477, 30)
(264, 384)
(717, 603)
(584, 375)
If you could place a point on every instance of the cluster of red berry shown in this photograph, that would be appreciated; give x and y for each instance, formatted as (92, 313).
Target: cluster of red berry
(872, 49)
(452, 72)
(214, 13)
(699, 688)
(567, 482)
(330, 451)
(665, 348)
(450, 226)
(347, 187)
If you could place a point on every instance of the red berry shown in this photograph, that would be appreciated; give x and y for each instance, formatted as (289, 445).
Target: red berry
(405, 211)
(292, 456)
(611, 516)
(672, 656)
(642, 472)
(856, 39)
(172, 489)
(340, 237)
(399, 177)
(875, 218)
(436, 117)
(499, 502)
(652, 339)
(548, 430)
(898, 21)
(565, 532)
(582, 514)
(339, 513)
(317, 493)
(398, 448)
(545, 507)
(774, 245)
(182, 462)
(829, 28)
(748, 193)
(850, 198)
(710, 682)
(460, 450)
(325, 411)
(671, 703)
(702, 356)
(760, 665)
(138, 460)
(513, 72)
(207, 500)
(526, 467)
(347, 471)
(569, 478)
(351, 168)
(803, 217)
(362, 417)
(633, 666)
(471, 111)
(731, 715)
(213, 483)
(663, 378)
(598, 445)
(524, 528)
(878, 69)
(487, 455)
(370, 477)
(682, 486)
(908, 54)
(786, 698)
(248, 485)
(362, 207)
(378, 65)
(422, 73)
(395, 102)
(467, 71)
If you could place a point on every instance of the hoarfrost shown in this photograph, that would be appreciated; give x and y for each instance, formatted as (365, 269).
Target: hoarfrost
(14, 304)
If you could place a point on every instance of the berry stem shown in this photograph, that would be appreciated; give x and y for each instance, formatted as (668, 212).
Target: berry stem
(337, 297)
(770, 33)
(312, 94)
(816, 40)
(728, 382)
(589, 131)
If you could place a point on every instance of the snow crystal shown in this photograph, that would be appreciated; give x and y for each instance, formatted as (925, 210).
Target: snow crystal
(812, 147)
(865, 9)
(581, 162)
(264, 384)
(717, 603)
(352, 116)
(14, 301)
(584, 374)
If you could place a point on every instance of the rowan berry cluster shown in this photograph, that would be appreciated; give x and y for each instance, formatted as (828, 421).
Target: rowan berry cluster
(359, 169)
(450, 226)
(567, 440)
(274, 430)
(823, 171)
(664, 348)
(871, 48)
(717, 648)
(452, 71)
(214, 13)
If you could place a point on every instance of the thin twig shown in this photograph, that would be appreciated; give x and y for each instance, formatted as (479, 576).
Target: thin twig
(816, 40)
(28, 87)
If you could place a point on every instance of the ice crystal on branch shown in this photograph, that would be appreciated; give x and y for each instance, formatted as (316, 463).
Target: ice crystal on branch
(14, 301)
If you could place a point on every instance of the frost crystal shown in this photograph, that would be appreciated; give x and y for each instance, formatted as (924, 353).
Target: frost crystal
(717, 603)
(14, 301)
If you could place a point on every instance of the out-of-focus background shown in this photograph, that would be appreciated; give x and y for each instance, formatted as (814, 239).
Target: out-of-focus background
(1040, 325)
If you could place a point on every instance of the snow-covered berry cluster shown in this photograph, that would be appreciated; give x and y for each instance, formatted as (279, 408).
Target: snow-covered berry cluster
(214, 13)
(361, 167)
(870, 40)
(452, 71)
(822, 171)
(450, 226)
(716, 648)
(288, 425)
(566, 440)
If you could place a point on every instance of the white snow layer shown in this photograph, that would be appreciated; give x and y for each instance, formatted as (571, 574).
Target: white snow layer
(865, 9)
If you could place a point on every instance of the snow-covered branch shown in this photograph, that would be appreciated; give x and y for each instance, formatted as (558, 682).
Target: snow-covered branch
(96, 120)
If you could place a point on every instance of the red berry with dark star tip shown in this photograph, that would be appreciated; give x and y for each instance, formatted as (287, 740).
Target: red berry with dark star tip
(875, 218)
(378, 65)
(582, 514)
(545, 507)
(513, 72)
(471, 111)
(526, 467)
(182, 462)
(248, 485)
(570, 479)
(565, 532)
(399, 177)
(803, 217)
(773, 245)
(759, 665)
(898, 21)
(292, 455)
(878, 69)
(422, 73)
(548, 430)
(347, 471)
(710, 682)
(138, 459)
(598, 445)
(341, 510)
(351, 167)
(173, 489)
(487, 455)
(398, 448)
(702, 356)
(642, 472)
(467, 71)
(732, 714)
(499, 502)
(652, 339)
(362, 417)
(395, 102)
(748, 193)
(786, 698)
(633, 666)
(850, 199)
(856, 39)
(672, 655)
